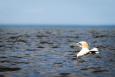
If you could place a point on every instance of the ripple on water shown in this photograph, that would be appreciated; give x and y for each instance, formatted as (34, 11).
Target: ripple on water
(5, 68)
(95, 69)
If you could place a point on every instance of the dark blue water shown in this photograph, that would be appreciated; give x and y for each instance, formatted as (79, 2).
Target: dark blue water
(44, 51)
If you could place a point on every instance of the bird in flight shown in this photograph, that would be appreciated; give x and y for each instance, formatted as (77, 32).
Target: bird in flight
(85, 48)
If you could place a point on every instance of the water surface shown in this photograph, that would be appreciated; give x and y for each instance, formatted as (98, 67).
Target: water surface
(46, 52)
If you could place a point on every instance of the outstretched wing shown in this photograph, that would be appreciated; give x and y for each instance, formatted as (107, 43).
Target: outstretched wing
(94, 50)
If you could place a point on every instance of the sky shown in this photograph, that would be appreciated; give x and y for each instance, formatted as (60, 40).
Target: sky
(81, 12)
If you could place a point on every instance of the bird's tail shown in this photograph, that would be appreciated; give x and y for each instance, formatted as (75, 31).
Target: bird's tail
(95, 50)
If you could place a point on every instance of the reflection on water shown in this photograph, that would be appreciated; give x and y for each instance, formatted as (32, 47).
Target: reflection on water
(31, 52)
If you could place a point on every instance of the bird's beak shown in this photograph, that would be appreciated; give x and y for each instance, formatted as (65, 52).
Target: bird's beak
(75, 45)
(78, 44)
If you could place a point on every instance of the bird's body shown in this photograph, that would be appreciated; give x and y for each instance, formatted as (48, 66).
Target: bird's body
(85, 49)
(83, 52)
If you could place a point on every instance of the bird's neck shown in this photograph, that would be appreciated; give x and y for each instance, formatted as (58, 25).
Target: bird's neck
(85, 49)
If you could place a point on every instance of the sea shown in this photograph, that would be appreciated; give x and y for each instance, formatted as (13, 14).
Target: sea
(45, 51)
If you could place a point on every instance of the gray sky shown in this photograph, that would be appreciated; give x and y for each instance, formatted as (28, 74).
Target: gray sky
(83, 12)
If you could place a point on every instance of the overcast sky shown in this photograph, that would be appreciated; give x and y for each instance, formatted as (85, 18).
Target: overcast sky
(83, 12)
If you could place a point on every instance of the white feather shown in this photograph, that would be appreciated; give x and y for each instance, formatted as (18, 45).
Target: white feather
(94, 49)
(85, 50)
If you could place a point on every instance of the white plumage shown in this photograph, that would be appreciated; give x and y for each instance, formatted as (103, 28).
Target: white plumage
(85, 49)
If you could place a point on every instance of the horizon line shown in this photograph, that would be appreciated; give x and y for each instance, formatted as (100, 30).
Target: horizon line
(58, 24)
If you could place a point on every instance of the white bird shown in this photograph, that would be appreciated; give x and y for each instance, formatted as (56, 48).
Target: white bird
(85, 49)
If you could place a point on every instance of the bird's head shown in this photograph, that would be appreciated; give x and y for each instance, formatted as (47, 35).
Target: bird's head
(83, 44)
